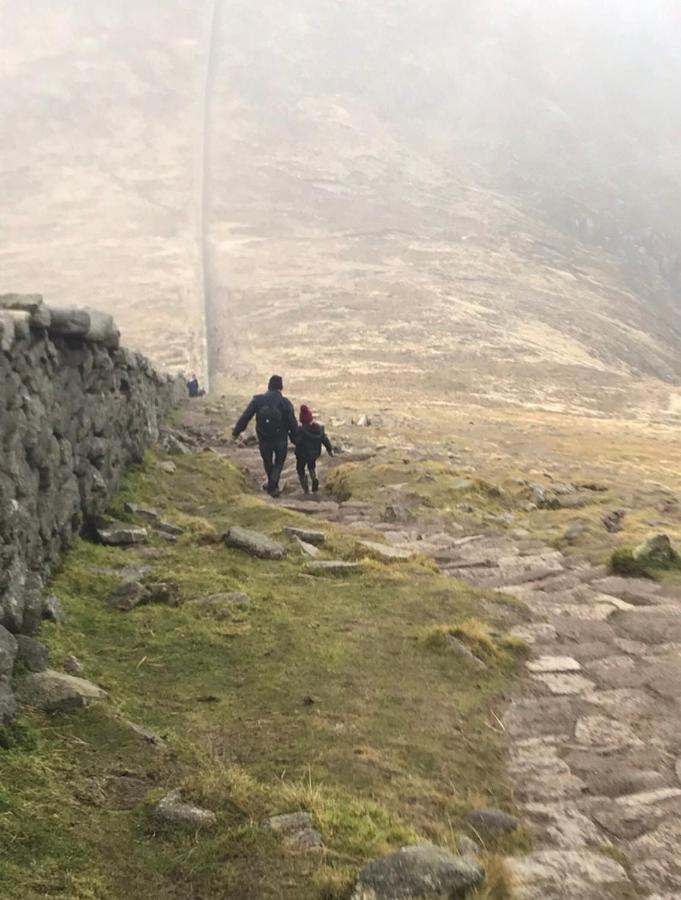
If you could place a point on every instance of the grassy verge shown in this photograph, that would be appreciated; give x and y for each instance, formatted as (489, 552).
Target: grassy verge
(318, 696)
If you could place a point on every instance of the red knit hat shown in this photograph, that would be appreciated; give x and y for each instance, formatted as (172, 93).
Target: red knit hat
(306, 417)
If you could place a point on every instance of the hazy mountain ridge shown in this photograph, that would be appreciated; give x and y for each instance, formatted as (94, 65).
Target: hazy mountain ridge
(486, 195)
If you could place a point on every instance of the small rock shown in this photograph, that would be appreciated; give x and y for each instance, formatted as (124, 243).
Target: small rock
(254, 543)
(364, 421)
(307, 535)
(173, 446)
(168, 466)
(72, 665)
(169, 529)
(32, 653)
(574, 532)
(173, 811)
(307, 549)
(56, 692)
(331, 567)
(118, 534)
(657, 549)
(53, 610)
(297, 830)
(167, 592)
(612, 521)
(424, 872)
(493, 820)
(143, 512)
(145, 734)
(127, 596)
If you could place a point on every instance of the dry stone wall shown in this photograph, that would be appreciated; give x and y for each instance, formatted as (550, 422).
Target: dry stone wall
(75, 411)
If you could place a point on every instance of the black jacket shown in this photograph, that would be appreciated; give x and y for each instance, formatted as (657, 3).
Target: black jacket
(276, 400)
(310, 440)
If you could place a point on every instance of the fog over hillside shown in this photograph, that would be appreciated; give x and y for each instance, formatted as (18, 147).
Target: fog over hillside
(477, 197)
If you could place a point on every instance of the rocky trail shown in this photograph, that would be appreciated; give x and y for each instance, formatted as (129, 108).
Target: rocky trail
(594, 736)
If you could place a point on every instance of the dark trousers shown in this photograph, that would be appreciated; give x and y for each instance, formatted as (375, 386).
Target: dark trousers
(273, 457)
(303, 462)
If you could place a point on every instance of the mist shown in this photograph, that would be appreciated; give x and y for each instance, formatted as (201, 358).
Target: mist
(196, 167)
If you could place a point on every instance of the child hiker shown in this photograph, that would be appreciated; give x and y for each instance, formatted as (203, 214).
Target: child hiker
(311, 436)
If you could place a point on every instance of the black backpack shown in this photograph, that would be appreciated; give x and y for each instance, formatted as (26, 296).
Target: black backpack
(268, 422)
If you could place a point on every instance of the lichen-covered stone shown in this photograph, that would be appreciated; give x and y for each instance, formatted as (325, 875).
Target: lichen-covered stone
(418, 873)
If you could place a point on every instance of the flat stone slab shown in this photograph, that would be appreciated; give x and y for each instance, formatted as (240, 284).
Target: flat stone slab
(254, 543)
(309, 536)
(332, 567)
(56, 692)
(561, 824)
(535, 633)
(386, 552)
(297, 830)
(539, 772)
(652, 625)
(565, 683)
(418, 873)
(554, 664)
(118, 534)
(565, 874)
(599, 732)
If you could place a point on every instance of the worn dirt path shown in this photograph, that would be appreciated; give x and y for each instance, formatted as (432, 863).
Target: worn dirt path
(595, 729)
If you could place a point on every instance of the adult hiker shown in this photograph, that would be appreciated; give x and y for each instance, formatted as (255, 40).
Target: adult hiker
(275, 422)
(311, 438)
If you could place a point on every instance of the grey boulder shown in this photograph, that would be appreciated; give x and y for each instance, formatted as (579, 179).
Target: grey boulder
(422, 872)
(56, 692)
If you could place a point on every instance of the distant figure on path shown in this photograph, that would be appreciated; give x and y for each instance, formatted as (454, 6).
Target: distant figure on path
(275, 422)
(311, 437)
(193, 387)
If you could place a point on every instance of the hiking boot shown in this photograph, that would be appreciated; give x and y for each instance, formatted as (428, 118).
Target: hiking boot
(315, 484)
(275, 492)
(305, 484)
